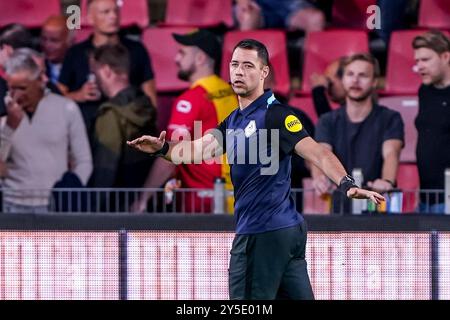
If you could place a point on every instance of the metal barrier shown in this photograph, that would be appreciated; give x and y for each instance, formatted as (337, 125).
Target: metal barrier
(201, 201)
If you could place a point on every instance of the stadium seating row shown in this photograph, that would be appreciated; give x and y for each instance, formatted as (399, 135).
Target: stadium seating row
(206, 13)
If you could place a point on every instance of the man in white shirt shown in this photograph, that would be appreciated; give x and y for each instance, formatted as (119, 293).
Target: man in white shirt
(41, 134)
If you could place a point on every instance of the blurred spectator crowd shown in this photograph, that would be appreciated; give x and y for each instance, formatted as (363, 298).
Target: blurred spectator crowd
(368, 78)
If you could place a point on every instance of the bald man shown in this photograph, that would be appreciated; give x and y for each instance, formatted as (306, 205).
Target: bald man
(56, 39)
(75, 80)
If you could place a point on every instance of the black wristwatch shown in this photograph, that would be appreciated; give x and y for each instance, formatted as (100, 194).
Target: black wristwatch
(163, 151)
(347, 183)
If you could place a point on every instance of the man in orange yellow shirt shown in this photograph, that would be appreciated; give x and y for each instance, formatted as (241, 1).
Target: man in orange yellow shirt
(207, 102)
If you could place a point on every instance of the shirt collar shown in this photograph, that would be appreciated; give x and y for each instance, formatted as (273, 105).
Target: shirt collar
(266, 99)
(201, 80)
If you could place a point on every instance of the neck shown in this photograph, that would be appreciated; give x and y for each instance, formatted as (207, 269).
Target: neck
(201, 73)
(244, 102)
(445, 81)
(357, 111)
(34, 105)
(57, 61)
(116, 88)
(100, 39)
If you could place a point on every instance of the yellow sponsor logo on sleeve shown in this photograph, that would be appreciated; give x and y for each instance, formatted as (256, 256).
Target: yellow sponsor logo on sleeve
(293, 124)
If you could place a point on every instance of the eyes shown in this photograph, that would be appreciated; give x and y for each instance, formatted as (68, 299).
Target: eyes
(352, 74)
(245, 65)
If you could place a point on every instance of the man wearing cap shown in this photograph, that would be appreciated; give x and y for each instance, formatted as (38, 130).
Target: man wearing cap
(208, 101)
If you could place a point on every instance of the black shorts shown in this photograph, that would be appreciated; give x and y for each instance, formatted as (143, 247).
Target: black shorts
(270, 265)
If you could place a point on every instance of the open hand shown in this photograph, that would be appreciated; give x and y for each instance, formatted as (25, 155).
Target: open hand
(358, 193)
(149, 144)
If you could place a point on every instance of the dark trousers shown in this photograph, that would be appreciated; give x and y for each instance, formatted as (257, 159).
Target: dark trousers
(270, 265)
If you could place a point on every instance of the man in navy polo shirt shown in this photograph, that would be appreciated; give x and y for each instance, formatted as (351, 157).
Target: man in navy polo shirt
(268, 252)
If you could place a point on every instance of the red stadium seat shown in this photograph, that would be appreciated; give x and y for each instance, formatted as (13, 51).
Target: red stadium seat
(199, 13)
(408, 107)
(132, 12)
(275, 41)
(400, 78)
(322, 48)
(30, 13)
(313, 204)
(408, 181)
(351, 13)
(434, 14)
(305, 104)
(162, 49)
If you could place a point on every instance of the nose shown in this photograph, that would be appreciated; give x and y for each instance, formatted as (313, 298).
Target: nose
(177, 58)
(114, 15)
(419, 66)
(238, 70)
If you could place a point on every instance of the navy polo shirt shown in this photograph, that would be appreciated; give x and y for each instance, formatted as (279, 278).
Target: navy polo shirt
(263, 200)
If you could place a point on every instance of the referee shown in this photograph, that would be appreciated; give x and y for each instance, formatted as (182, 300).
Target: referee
(268, 252)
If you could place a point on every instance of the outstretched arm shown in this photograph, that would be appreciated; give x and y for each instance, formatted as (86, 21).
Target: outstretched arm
(332, 167)
(205, 148)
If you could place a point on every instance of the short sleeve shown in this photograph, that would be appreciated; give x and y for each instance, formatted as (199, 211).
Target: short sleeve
(220, 132)
(291, 129)
(394, 128)
(324, 129)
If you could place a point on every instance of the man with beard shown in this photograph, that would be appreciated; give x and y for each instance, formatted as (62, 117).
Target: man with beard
(361, 133)
(207, 102)
(432, 55)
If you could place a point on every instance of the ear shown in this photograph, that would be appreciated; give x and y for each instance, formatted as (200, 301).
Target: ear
(8, 49)
(265, 72)
(446, 57)
(108, 71)
(44, 79)
(200, 57)
(375, 84)
(105, 71)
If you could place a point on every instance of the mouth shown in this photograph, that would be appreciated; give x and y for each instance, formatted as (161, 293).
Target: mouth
(238, 83)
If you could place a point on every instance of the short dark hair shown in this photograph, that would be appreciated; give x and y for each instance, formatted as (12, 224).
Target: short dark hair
(434, 40)
(16, 36)
(367, 57)
(252, 44)
(115, 56)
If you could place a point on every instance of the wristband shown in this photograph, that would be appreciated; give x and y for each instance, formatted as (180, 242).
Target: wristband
(346, 184)
(163, 151)
(392, 183)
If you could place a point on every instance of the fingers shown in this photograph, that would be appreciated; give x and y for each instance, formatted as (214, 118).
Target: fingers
(139, 140)
(162, 136)
(378, 197)
(352, 193)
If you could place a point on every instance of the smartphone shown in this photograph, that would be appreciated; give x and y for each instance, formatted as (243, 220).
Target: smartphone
(8, 99)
